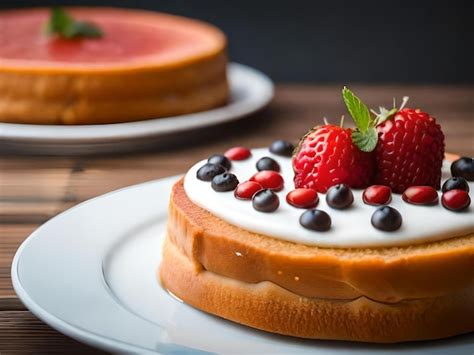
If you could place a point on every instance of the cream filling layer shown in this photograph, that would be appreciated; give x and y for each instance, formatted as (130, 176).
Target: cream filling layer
(351, 228)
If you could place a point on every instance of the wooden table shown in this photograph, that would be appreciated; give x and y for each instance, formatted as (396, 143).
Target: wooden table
(34, 189)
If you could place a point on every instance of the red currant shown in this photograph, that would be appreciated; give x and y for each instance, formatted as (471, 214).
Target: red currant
(247, 189)
(456, 200)
(303, 198)
(420, 195)
(377, 195)
(269, 180)
(238, 153)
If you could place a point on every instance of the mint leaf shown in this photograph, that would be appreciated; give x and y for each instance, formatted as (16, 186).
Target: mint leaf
(365, 141)
(84, 29)
(365, 136)
(65, 26)
(359, 112)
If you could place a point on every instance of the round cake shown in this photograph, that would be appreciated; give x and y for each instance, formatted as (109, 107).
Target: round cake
(144, 65)
(305, 243)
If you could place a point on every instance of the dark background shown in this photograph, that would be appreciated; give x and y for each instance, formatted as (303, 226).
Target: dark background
(334, 41)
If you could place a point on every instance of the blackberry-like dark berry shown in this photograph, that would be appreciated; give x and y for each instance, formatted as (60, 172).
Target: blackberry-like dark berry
(455, 183)
(265, 201)
(220, 159)
(463, 167)
(281, 147)
(339, 196)
(267, 163)
(387, 219)
(224, 182)
(316, 220)
(208, 171)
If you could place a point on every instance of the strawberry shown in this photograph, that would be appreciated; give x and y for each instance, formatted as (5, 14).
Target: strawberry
(408, 144)
(327, 156)
(410, 151)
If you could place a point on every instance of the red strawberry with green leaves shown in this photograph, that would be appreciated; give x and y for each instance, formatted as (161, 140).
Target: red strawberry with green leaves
(327, 156)
(408, 144)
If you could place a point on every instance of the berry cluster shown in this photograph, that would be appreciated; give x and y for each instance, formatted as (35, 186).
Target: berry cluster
(398, 148)
(261, 189)
(456, 189)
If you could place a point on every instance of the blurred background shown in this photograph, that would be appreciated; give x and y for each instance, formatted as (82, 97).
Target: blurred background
(333, 41)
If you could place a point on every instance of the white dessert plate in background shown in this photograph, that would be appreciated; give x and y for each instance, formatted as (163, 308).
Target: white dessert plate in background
(90, 273)
(250, 89)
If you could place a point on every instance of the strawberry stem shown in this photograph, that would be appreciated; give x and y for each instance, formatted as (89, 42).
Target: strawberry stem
(404, 102)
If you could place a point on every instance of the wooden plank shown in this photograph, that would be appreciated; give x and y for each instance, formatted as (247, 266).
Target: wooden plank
(11, 303)
(22, 212)
(22, 332)
(11, 236)
(33, 184)
(93, 182)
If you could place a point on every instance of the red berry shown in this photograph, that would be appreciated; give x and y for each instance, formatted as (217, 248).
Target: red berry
(326, 156)
(420, 195)
(302, 198)
(377, 195)
(269, 179)
(456, 200)
(238, 153)
(247, 189)
(410, 151)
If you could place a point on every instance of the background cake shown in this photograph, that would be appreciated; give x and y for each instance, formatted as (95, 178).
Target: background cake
(140, 65)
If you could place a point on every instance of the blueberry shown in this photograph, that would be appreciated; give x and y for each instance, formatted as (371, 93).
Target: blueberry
(265, 201)
(281, 147)
(339, 196)
(455, 183)
(267, 163)
(224, 182)
(316, 220)
(463, 167)
(220, 159)
(387, 219)
(208, 171)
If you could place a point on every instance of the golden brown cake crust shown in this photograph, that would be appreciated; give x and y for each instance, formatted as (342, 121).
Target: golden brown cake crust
(86, 94)
(271, 308)
(384, 274)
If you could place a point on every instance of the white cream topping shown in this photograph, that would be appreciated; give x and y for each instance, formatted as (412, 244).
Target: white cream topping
(351, 228)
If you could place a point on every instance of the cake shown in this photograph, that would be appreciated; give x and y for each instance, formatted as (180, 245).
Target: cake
(288, 242)
(141, 65)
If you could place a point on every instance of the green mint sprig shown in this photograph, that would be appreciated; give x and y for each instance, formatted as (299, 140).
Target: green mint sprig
(65, 26)
(365, 136)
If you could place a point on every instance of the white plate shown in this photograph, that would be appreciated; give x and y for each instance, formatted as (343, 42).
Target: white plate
(90, 273)
(251, 90)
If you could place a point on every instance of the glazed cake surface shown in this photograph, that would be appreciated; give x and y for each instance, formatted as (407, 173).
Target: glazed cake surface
(146, 65)
(351, 228)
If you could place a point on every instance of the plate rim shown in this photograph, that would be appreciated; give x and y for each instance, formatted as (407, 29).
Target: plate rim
(75, 332)
(54, 134)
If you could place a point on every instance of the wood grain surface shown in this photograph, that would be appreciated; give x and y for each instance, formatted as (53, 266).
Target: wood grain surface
(33, 189)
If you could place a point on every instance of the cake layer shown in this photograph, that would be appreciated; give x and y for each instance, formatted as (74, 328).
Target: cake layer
(382, 274)
(117, 78)
(271, 308)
